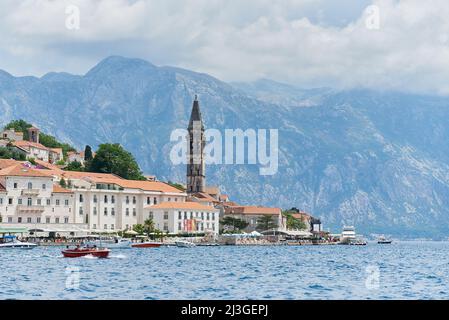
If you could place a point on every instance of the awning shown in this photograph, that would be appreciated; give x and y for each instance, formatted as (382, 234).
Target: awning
(13, 230)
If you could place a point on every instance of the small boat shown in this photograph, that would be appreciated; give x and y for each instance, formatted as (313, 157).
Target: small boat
(86, 251)
(383, 240)
(10, 241)
(147, 244)
(208, 244)
(184, 244)
(111, 243)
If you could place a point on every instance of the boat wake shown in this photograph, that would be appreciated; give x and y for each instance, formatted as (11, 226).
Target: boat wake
(118, 256)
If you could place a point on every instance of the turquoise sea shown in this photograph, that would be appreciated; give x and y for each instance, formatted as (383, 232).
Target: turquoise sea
(402, 270)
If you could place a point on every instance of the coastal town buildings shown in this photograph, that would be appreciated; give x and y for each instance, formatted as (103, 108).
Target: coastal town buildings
(252, 214)
(41, 195)
(31, 148)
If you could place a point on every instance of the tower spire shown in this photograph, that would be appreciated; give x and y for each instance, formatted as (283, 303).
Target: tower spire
(196, 178)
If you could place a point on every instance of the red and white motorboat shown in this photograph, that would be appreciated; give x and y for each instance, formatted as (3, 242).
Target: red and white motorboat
(85, 251)
(147, 244)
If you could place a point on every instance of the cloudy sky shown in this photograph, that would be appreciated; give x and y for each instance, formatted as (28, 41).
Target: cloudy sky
(386, 44)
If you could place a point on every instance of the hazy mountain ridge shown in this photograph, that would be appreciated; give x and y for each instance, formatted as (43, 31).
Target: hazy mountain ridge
(376, 160)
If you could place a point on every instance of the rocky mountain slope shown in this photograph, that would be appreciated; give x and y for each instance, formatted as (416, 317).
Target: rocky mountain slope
(373, 159)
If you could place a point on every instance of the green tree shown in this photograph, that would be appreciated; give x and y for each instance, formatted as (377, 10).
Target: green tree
(265, 223)
(19, 126)
(63, 183)
(112, 158)
(139, 228)
(88, 153)
(10, 153)
(234, 223)
(148, 226)
(293, 223)
(74, 166)
(177, 186)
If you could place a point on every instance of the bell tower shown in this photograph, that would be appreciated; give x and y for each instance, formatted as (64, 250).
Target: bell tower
(33, 134)
(196, 169)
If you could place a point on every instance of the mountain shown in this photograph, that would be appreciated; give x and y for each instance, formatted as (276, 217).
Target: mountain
(377, 160)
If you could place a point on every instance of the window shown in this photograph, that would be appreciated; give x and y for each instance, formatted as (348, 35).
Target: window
(94, 226)
(112, 211)
(19, 201)
(154, 200)
(47, 219)
(151, 215)
(179, 215)
(202, 215)
(148, 200)
(19, 219)
(57, 202)
(127, 199)
(81, 198)
(185, 214)
(48, 202)
(95, 198)
(66, 202)
(179, 226)
(165, 215)
(176, 199)
(213, 215)
(127, 212)
(29, 220)
(105, 211)
(213, 226)
(81, 211)
(134, 212)
(1, 200)
(208, 216)
(95, 211)
(38, 220)
(29, 201)
(66, 219)
(10, 219)
(105, 199)
(39, 202)
(134, 200)
(9, 200)
(56, 220)
(112, 199)
(15, 185)
(105, 227)
(44, 186)
(30, 186)
(169, 199)
(165, 226)
(112, 227)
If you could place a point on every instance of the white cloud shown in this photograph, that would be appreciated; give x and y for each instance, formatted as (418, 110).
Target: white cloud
(309, 43)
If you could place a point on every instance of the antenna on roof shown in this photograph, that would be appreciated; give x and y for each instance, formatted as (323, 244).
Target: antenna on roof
(196, 97)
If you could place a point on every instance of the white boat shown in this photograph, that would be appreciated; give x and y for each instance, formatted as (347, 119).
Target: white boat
(349, 237)
(383, 240)
(184, 244)
(111, 242)
(12, 242)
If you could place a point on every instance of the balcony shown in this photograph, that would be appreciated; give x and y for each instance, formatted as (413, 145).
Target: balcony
(30, 192)
(30, 209)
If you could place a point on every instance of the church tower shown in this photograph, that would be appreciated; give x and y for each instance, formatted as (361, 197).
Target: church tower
(196, 169)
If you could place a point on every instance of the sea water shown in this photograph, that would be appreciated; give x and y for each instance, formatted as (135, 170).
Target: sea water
(402, 270)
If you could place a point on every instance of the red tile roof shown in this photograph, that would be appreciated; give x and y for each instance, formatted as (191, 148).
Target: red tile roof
(20, 170)
(182, 206)
(252, 210)
(58, 189)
